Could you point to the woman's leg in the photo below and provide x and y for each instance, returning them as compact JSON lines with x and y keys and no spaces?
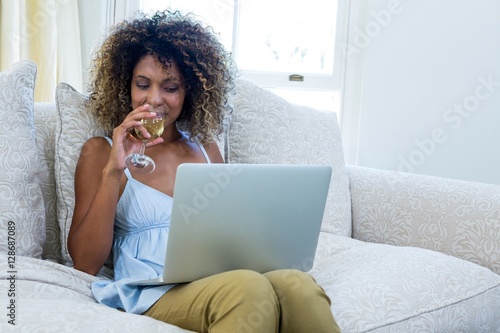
{"x":305,"y":307}
{"x":238,"y":301}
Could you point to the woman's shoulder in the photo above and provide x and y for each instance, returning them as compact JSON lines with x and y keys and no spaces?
{"x":98,"y":139}
{"x":95,"y":146}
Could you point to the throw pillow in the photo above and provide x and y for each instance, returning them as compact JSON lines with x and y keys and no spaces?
{"x":22,"y":213}
{"x":45,"y":125}
{"x":267,"y":129}
{"x":75,"y":125}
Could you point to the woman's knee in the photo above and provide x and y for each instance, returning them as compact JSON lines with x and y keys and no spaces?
{"x":247,"y":285}
{"x":304,"y":305}
{"x":288,"y":279}
{"x":294,"y":282}
{"x":252,"y":298}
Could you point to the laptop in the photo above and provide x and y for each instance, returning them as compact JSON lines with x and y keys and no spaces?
{"x":259,"y":217}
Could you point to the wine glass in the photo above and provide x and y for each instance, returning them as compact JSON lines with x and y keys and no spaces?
{"x":139,"y":162}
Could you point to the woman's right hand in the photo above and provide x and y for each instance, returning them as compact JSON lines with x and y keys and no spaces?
{"x":124,"y":143}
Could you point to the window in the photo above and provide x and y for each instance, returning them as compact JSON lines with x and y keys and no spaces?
{"x":283,"y":45}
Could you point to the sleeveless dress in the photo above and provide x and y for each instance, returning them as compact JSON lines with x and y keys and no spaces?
{"x":141,"y":228}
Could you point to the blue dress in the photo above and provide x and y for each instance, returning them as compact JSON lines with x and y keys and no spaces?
{"x":141,"y":228}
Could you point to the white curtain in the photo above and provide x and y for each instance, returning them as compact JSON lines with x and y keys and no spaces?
{"x":47,"y":32}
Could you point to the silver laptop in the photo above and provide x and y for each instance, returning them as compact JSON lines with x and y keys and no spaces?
{"x":243,"y":216}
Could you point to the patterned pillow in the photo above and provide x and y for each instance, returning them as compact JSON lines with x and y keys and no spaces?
{"x":45,"y":125}
{"x":74,"y":127}
{"x":267,"y":129}
{"x":22,"y":213}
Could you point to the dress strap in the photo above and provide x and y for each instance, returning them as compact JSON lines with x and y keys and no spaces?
{"x":128,"y":174}
{"x":204,"y":152}
{"x":110,"y":141}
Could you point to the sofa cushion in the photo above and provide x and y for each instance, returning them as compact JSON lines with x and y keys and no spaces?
{"x":451,"y":216}
{"x":21,"y":204}
{"x":265,"y":128}
{"x":385,"y":288}
{"x":74,"y":127}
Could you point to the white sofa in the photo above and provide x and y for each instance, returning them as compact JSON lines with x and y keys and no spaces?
{"x":397,"y":252}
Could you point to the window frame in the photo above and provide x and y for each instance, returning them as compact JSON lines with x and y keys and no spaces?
{"x":318,"y":82}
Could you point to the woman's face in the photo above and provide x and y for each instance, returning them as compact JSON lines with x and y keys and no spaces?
{"x":163,"y":90}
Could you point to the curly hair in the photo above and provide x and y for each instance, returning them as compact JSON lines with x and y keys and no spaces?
{"x":206,"y":66}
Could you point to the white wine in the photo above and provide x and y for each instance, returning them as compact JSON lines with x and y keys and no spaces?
{"x":139,"y":162}
{"x":154,"y":126}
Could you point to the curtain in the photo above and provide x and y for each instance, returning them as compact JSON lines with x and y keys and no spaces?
{"x":48,"y":33}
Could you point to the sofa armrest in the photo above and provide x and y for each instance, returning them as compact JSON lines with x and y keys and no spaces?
{"x":455,"y":217}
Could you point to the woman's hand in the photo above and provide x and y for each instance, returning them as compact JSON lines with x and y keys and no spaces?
{"x":124,"y":143}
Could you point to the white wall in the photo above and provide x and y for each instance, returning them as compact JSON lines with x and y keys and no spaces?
{"x":423,"y":87}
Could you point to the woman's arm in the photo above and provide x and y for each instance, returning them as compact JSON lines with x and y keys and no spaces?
{"x":98,"y":177}
{"x":96,"y":195}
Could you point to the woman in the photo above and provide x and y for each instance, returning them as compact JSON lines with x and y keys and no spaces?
{"x":169,"y":63}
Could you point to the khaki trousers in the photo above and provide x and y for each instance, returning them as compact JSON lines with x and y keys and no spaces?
{"x":244,"y":301}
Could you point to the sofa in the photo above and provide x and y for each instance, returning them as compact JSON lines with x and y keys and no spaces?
{"x":397,"y":252}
